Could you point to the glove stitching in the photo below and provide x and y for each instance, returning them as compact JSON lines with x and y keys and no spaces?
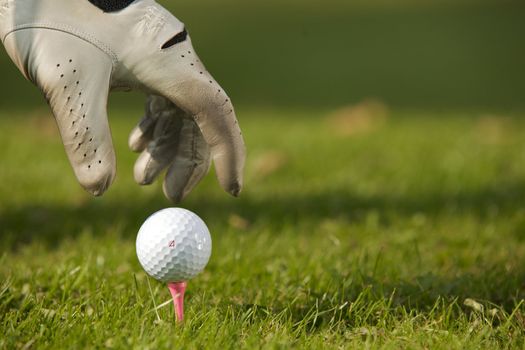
{"x":68,"y":30}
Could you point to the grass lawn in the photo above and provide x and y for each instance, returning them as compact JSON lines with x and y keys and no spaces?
{"x":359,"y":227}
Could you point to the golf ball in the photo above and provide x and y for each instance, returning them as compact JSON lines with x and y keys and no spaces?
{"x":173,"y":245}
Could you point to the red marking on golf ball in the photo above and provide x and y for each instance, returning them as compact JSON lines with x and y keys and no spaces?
{"x":172,"y":244}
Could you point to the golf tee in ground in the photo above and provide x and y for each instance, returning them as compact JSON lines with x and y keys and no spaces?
{"x":177,"y":290}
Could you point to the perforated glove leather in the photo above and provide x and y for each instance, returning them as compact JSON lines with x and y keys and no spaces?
{"x":76,"y":54}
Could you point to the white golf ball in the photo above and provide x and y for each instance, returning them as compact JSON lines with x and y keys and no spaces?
{"x":173,"y":245}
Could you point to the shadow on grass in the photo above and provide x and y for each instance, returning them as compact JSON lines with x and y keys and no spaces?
{"x":50,"y":224}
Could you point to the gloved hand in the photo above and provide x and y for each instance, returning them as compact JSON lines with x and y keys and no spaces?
{"x":76,"y":53}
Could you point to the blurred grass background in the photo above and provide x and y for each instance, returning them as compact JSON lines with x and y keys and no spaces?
{"x":383,"y":205}
{"x":323,"y":54}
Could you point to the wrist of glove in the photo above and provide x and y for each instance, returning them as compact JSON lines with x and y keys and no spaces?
{"x":76,"y":54}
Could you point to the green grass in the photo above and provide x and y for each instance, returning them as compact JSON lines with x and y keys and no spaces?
{"x":408,"y":234}
{"x":354,"y":230}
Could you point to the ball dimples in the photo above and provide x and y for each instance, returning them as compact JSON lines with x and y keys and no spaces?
{"x":173,"y":245}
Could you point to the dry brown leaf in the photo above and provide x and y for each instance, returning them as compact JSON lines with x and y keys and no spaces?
{"x":492,"y":129}
{"x":238,"y":222}
{"x":268,"y":163}
{"x":364,"y":117}
{"x":473,"y":304}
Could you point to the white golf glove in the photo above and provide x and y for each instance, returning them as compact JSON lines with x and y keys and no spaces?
{"x":76,"y":53}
